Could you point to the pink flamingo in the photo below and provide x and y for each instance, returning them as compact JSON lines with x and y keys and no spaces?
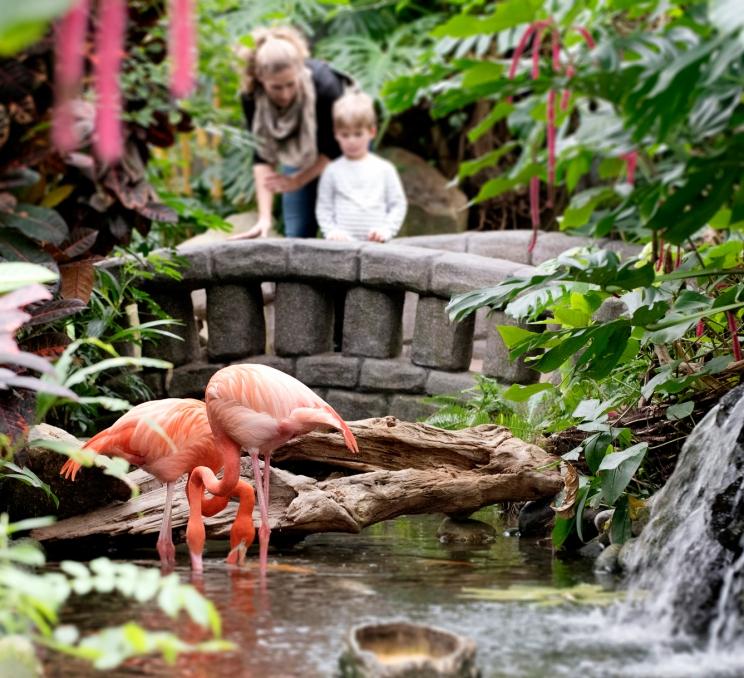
{"x":168,"y":438}
{"x":257,"y":408}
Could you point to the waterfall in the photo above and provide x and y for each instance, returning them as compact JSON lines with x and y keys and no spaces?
{"x":687,"y":567}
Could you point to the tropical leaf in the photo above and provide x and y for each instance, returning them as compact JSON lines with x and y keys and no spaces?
{"x":38,"y":223}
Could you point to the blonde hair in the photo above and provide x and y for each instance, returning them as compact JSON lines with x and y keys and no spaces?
{"x":354,"y":110}
{"x":275,"y":49}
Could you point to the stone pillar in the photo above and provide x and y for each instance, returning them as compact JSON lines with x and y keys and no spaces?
{"x":496,"y":362}
{"x":373,"y":324}
{"x":178,"y":306}
{"x":235,"y":322}
{"x":437,"y":342}
{"x":304,"y":319}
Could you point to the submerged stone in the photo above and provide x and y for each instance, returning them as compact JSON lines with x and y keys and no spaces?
{"x":403,"y":649}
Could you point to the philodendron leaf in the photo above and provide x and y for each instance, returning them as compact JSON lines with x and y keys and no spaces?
{"x":617,"y":469}
{"x":680,"y":410}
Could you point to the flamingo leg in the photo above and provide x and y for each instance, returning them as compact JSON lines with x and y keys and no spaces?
{"x":166,"y":549}
{"x":264,"y":530}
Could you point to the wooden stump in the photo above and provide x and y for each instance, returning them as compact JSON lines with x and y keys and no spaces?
{"x":402,"y":468}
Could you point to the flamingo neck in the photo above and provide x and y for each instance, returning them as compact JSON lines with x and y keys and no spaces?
{"x":230,"y":451}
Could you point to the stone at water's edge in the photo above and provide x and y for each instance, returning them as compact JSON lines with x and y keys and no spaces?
{"x":402,"y":649}
{"x":91,"y":490}
{"x":689,"y":558}
{"x":465,"y":531}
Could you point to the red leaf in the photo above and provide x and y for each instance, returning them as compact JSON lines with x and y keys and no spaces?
{"x":54,"y":310}
{"x":76,"y":280}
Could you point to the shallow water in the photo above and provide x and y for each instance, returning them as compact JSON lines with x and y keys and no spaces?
{"x":318,"y":589}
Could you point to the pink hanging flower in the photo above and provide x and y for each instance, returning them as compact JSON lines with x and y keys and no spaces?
{"x":631,"y":161}
{"x":110,"y":36}
{"x":68,"y":72}
{"x":182,"y":46}
{"x":734,"y":329}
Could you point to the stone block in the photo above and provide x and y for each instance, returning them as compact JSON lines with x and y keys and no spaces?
{"x":198,"y":269}
{"x":373,"y":322}
{"x":303,"y":323}
{"x":610,"y":309}
{"x":352,"y":406}
{"x":392,"y":375}
{"x":497,"y":364}
{"x":437,"y":342}
{"x":550,"y":245}
{"x":397,"y":266}
{"x":453,"y":273}
{"x":235,"y":321}
{"x":189,"y":381}
{"x":449,"y":382}
{"x":508,"y":245}
{"x":410,"y":408}
{"x":451,"y":242}
{"x":155,"y":381}
{"x":329,"y":369}
{"x":178,"y":306}
{"x":324,"y":259}
{"x":237,"y":260}
{"x":286,"y":365}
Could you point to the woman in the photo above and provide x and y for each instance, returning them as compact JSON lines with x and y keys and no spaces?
{"x":287,"y":103}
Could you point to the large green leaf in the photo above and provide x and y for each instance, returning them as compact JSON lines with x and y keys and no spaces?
{"x":22,"y":23}
{"x":617,"y":470}
{"x":726,"y":15}
{"x":507,"y":14}
{"x":16,"y":274}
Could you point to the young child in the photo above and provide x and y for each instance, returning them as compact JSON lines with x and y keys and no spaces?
{"x":360,"y":196}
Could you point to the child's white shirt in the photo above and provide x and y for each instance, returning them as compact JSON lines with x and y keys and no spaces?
{"x":359,"y":196}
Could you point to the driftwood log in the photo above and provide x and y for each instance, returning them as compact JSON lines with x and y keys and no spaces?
{"x":402,"y":468}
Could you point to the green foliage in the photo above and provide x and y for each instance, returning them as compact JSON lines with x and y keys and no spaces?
{"x":484,"y":403}
{"x":23,"y":23}
{"x":31,"y":602}
{"x":661,"y":309}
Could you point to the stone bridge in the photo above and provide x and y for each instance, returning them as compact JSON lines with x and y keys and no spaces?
{"x":362,"y":324}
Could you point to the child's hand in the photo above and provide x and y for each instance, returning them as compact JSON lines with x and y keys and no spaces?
{"x":337,"y":235}
{"x":376,"y":235}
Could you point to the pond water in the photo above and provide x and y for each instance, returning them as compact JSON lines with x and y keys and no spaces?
{"x":318,"y":589}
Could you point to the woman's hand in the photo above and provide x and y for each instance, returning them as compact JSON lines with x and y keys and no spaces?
{"x":259,"y":230}
{"x":281,"y":183}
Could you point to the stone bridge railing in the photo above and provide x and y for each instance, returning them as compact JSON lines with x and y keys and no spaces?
{"x":363,"y":324}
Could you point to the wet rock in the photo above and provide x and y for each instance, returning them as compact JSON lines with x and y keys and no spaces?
{"x":602,"y":520}
{"x":92,"y":489}
{"x":465,"y":531}
{"x":607,"y":560}
{"x":403,"y":649}
{"x":688,"y":556}
{"x":536,"y":518}
{"x":592,"y":549}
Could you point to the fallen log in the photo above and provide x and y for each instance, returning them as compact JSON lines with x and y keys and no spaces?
{"x":402,"y":468}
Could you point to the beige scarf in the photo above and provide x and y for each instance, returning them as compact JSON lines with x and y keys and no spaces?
{"x":287,"y":136}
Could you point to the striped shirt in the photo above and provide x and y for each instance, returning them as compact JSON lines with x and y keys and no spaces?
{"x":358,"y":196}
